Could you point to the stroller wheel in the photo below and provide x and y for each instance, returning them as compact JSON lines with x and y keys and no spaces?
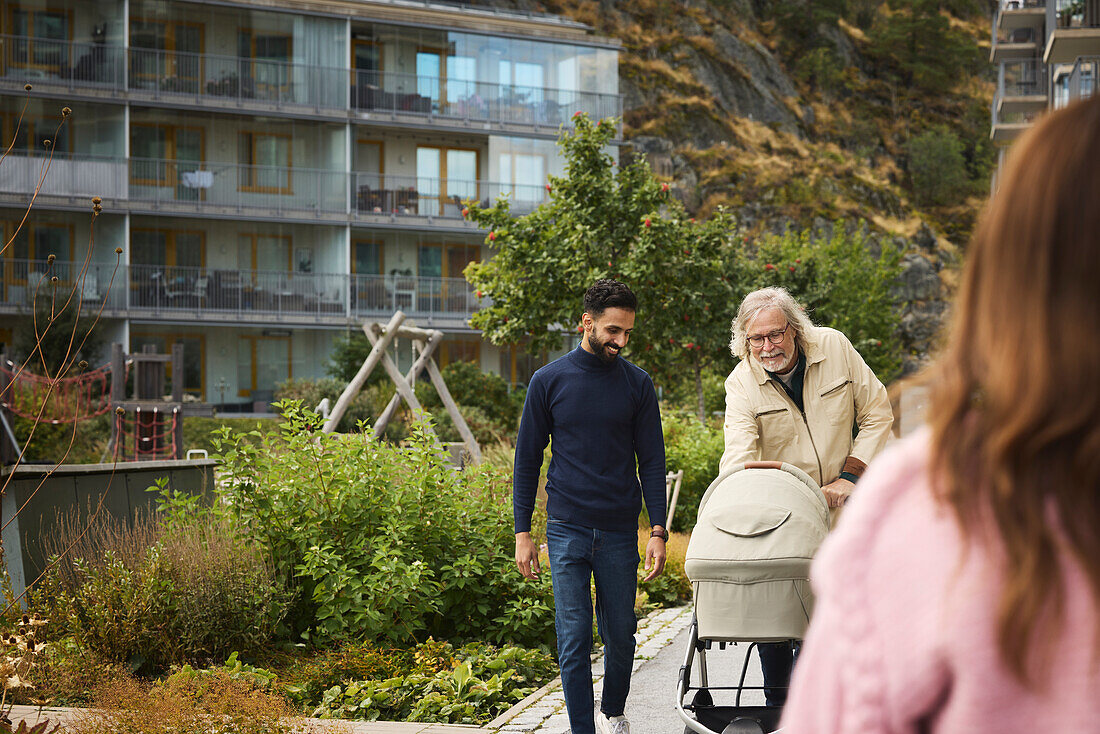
{"x":743,"y":726}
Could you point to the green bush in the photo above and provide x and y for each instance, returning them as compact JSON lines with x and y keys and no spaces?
{"x":470,"y":685}
{"x":470,"y":387}
{"x":199,"y":592}
{"x":696,"y":448}
{"x":364,"y":407}
{"x":397,"y":546}
{"x":937,"y":167}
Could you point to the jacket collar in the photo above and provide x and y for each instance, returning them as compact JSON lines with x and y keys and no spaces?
{"x":813,"y":356}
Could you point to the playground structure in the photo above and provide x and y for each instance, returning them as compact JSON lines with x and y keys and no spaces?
{"x":144,"y":425}
{"x":425,"y":342}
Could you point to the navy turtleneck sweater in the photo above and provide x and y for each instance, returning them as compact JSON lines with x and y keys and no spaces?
{"x":601,"y":417}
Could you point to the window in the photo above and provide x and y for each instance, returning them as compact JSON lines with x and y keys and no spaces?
{"x":367,"y":258}
{"x":29,"y":251}
{"x":194,"y":357}
{"x":266,"y":58}
{"x":265,"y":163}
{"x":30,"y":134}
{"x":367,"y":62}
{"x":522,"y":81}
{"x":445,"y":178}
{"x":459,"y":350}
{"x":166,"y":54}
{"x":42,"y":38}
{"x":523,"y":175}
{"x":429,"y":74}
{"x":262,"y":363}
{"x":270,"y":252}
{"x":160,"y":154}
{"x":168,"y":248}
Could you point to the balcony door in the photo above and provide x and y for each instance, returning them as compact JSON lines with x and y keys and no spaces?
{"x":366,"y":62}
{"x":42,"y":39}
{"x":262,"y":363}
{"x":265,"y":63}
{"x":266,"y":163}
{"x":166,"y":55}
{"x":369,"y":192}
{"x":440,"y":286}
{"x":26,"y":259}
{"x":168,"y":156}
{"x":371,"y":291}
{"x":523,"y":177}
{"x":166,"y":267}
{"x":445,"y":178}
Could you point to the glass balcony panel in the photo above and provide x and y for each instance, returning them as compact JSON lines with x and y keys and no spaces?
{"x":44,"y":60}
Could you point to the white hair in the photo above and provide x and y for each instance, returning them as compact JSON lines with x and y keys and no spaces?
{"x":757,"y":301}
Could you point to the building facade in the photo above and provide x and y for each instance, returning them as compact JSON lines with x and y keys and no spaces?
{"x":1047,"y":54}
{"x":277,"y":171}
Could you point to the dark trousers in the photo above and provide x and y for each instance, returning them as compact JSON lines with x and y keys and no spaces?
{"x":776,"y":662}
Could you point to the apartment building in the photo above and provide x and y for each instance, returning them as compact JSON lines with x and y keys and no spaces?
{"x":277,"y":171}
{"x":1047,"y":54}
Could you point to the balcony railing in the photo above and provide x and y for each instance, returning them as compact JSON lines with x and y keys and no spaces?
{"x":1022,"y":78}
{"x":159,"y":183}
{"x":229,"y":295}
{"x":1073,"y":14}
{"x":413,"y":94}
{"x":436,"y":197}
{"x":33,"y":60}
{"x":160,"y":74}
{"x":1083,"y":79}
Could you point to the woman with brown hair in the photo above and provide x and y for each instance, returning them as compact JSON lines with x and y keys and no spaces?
{"x":961,"y":590}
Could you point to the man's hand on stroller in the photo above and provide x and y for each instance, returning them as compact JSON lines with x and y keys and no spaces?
{"x":527,"y":556}
{"x":655,"y":557}
{"x":837,"y":491}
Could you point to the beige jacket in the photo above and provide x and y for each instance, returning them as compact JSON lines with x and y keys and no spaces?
{"x":839,"y":392}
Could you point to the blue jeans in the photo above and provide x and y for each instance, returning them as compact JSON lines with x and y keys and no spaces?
{"x":577,"y":554}
{"x":776,"y":662}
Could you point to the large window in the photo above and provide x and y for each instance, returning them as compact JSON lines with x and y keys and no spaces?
{"x":166,"y":54}
{"x":168,"y":248}
{"x":446,"y":177}
{"x":266,"y":57}
{"x":160,"y":153}
{"x":265,"y":160}
{"x":28,"y":253}
{"x":30,"y":134}
{"x":194,"y":353}
{"x":262,"y":363}
{"x":43,"y":38}
{"x":268,"y":252}
{"x":522,"y":175}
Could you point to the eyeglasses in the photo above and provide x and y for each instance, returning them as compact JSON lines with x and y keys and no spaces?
{"x":774,"y":337}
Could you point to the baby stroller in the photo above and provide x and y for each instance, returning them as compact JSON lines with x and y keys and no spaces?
{"x":758,"y":528}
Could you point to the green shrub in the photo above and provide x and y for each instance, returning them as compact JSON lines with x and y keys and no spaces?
{"x":672,"y":587}
{"x":696,"y":448}
{"x":308,"y":679}
{"x":397,"y":546}
{"x":364,"y":407}
{"x":198,"y":592}
{"x":470,"y":387}
{"x":470,"y":685}
{"x":937,"y":167}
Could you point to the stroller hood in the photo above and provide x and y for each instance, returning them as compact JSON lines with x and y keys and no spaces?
{"x":758,"y":528}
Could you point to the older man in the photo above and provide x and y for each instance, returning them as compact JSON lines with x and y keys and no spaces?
{"x":803,"y":395}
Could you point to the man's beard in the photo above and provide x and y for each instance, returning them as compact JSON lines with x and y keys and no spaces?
{"x":601,"y":349}
{"x":776,"y":366}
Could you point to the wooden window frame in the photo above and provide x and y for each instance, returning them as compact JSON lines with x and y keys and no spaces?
{"x":255,"y":236}
{"x":169,"y":340}
{"x":171,"y":67}
{"x":444,"y":196}
{"x":254,"y":188}
{"x":252,"y":59}
{"x":381,"y":255}
{"x":170,"y":248}
{"x":242,"y":391}
{"x":170,"y":176}
{"x":8,"y":121}
{"x":28,"y":230}
{"x":30,"y":64}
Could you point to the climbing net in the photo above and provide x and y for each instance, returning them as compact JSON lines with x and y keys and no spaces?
{"x":149,"y":434}
{"x":67,"y":400}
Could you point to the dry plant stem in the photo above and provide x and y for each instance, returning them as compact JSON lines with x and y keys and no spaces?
{"x":37,"y":188}
{"x":18,"y":124}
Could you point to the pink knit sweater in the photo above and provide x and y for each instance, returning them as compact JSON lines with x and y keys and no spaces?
{"x":903,"y":637}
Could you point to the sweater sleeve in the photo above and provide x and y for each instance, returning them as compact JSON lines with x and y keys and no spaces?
{"x":534,"y":434}
{"x":649,"y":448}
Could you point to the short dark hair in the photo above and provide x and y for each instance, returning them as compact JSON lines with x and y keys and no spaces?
{"x":607,"y":293}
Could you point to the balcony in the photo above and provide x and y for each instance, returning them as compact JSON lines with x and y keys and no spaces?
{"x":1021,"y":87}
{"x":1015,"y":44}
{"x":381,"y":196}
{"x":152,"y":185}
{"x":1012,"y":15}
{"x":230,"y":296}
{"x":1083,"y":78}
{"x":418,"y":98}
{"x":263,"y":87}
{"x":1007,"y":126}
{"x":1073,"y":30}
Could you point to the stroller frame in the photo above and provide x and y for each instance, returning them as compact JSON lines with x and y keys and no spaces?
{"x":728,"y":719}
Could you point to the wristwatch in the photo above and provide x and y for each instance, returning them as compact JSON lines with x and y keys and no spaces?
{"x":662,"y":534}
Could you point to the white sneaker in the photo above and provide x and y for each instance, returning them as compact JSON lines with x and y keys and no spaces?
{"x":612,"y":724}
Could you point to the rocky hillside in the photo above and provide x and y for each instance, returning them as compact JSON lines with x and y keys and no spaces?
{"x":806,"y":112}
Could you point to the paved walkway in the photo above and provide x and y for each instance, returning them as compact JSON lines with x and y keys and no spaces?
{"x":544,"y":710}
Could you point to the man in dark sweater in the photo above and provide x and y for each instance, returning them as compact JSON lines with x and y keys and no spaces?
{"x":602,"y":413}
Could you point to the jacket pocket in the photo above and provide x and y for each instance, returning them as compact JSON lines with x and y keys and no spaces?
{"x":836,"y":401}
{"x":776,"y":427}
